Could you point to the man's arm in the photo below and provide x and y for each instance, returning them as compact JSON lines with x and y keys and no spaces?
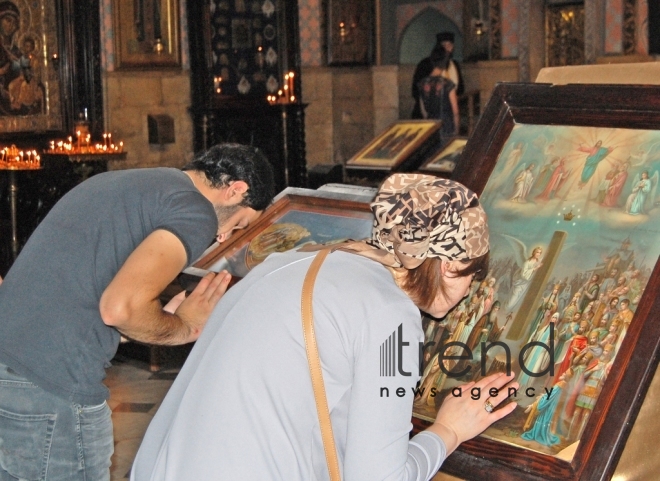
{"x":130,"y":302}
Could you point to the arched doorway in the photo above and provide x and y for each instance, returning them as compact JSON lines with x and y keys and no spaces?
{"x":418,"y":38}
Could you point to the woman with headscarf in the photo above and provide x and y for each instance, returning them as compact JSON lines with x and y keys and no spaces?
{"x":243,"y":406}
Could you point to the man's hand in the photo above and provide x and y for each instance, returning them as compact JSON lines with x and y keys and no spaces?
{"x":175,"y":302}
{"x":130,"y":302}
{"x":195,"y":309}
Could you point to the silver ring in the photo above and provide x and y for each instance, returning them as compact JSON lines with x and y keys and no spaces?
{"x":488,"y":406}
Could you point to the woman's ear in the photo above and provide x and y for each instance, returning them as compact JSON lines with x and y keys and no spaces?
{"x":448,"y":268}
{"x":444,"y":266}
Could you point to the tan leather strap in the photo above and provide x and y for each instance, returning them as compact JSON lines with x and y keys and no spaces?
{"x":315,"y":367}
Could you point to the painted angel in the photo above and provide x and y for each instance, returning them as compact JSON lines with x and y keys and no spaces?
{"x":527,"y":264}
{"x":644,"y":155}
{"x":641,"y":198}
{"x":522,"y":184}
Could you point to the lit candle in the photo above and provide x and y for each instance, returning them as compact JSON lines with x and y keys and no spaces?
{"x":121,"y":146}
{"x":52,"y":145}
{"x":291,"y":92}
{"x":109,"y":138}
{"x":105,"y":138}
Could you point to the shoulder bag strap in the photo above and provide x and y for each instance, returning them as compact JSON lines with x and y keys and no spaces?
{"x":315,"y":367}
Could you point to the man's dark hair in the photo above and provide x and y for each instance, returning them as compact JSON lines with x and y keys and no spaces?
{"x":226,"y":163}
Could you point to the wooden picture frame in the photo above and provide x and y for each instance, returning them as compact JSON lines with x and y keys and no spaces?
{"x":32,"y":98}
{"x":292,"y":221}
{"x":392,"y":147}
{"x":444,"y":161}
{"x":350,"y":32}
{"x":518,"y":126}
{"x":147,"y":34}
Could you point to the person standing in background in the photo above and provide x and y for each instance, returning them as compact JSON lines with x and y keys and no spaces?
{"x":445,"y":41}
{"x":437,"y":95}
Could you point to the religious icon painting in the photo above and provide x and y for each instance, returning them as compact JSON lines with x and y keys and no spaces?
{"x":269,"y":32}
{"x":272,"y":84}
{"x":293,"y":221}
{"x":271,"y":56}
{"x":244,"y":85}
{"x":241,"y":37}
{"x":246,"y":41}
{"x":395,"y":144}
{"x":30,"y":99}
{"x":268,"y":8}
{"x":146,"y":34}
{"x":444,"y":160}
{"x":349,"y":32}
{"x":573,"y":204}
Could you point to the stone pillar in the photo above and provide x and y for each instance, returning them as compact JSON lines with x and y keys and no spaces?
{"x":531,"y":31}
{"x":317,"y":93}
{"x":385,"y":80}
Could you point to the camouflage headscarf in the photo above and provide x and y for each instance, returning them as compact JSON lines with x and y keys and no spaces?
{"x":420,"y":216}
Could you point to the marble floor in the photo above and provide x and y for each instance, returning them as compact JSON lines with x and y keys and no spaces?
{"x":135,"y":395}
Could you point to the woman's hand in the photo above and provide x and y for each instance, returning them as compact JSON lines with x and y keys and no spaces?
{"x":462,"y":418}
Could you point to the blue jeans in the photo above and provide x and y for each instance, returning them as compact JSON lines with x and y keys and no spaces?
{"x":43,"y":437}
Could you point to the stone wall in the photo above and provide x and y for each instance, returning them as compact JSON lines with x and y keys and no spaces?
{"x":340,"y":112}
{"x":352,"y":111}
{"x":348,"y":107}
{"x":317,"y":94}
{"x":130,"y":97}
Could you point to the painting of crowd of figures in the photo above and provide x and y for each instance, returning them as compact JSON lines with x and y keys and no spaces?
{"x":575,"y":233}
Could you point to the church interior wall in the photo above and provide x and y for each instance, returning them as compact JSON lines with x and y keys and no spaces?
{"x":131,"y":95}
{"x":347,"y":106}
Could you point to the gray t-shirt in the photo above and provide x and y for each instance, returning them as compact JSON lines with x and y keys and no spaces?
{"x":51,"y":330}
{"x":243,"y":406}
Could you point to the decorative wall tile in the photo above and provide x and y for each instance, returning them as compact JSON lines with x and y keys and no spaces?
{"x":309,"y":18}
{"x":613,"y":26}
{"x":509,"y":18}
